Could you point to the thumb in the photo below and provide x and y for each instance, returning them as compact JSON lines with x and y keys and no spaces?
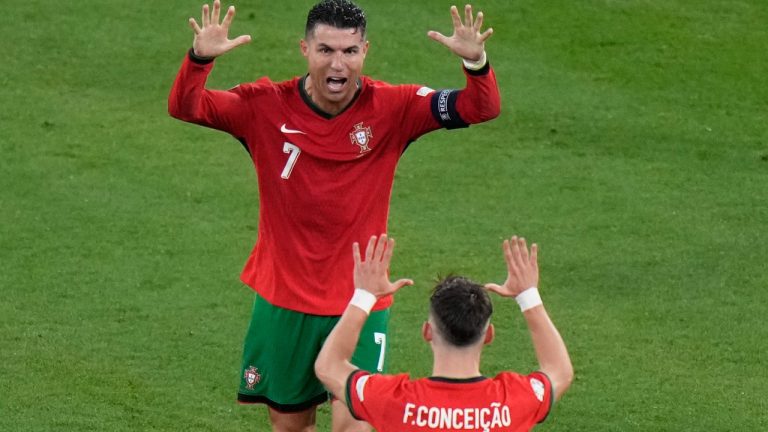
{"x":240,"y":40}
{"x":493,"y":288}
{"x":401,"y":283}
{"x":437,"y":36}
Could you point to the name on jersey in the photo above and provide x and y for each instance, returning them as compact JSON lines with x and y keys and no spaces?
{"x":442,"y":418}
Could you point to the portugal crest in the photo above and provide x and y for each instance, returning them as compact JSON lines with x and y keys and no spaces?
{"x":252,"y":377}
{"x":361,"y":137}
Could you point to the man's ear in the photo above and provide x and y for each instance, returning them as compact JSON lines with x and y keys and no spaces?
{"x":426,"y":331}
{"x":489,"y":334}
{"x":304,"y":46}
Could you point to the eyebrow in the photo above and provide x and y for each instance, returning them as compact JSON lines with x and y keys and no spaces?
{"x":349,"y":48}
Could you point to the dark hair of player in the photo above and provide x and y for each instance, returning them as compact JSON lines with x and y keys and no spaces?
{"x":460,"y":310}
{"x":341,"y":14}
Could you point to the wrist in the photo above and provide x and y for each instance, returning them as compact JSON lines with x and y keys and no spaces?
{"x":363,"y":299}
{"x":199,"y":59}
{"x":475,"y":65}
{"x":528,"y":299}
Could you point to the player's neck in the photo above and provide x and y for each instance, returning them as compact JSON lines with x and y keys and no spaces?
{"x":330,"y":107}
{"x":455,"y":363}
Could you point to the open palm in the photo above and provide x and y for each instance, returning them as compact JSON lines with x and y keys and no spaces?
{"x":212,"y":39}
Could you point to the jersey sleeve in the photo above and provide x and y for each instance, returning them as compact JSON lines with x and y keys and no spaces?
{"x":531,"y":394}
{"x":355,"y":393}
{"x":540,"y":387}
{"x":369,"y":395}
{"x":478,"y":102}
{"x":190,"y":101}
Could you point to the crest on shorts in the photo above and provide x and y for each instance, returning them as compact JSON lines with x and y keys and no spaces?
{"x":361,"y":137}
{"x":251,"y":377}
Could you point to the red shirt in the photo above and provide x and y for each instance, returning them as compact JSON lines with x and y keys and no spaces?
{"x":324,"y":182}
{"x":508,"y":402}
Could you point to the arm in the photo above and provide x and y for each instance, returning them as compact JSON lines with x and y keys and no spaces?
{"x":333,"y":365}
{"x":189,"y":100}
{"x":522,"y":279}
{"x":480,"y":101}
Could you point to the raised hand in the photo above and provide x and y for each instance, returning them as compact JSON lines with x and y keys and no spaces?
{"x":372,"y":273}
{"x":522,"y":268}
{"x":212,"y":39}
{"x":466,"y":42}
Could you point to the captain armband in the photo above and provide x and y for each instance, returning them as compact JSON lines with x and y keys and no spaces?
{"x":444,"y":109}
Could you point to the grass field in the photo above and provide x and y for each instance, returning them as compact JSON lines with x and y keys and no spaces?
{"x":633,"y":147}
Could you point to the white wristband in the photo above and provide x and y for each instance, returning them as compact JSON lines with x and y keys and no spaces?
{"x":528,"y":299}
{"x":363,"y":300}
{"x":476,"y":65}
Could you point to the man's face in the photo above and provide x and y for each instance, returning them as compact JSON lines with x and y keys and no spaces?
{"x":335,"y":60}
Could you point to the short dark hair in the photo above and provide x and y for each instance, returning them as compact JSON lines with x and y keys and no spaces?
{"x":461,"y":310}
{"x":340,"y":14}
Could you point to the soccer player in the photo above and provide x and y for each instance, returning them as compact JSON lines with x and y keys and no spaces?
{"x":325,"y":146}
{"x":456,"y":396}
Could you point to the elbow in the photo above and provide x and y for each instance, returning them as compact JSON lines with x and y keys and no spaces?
{"x":175,"y":111}
{"x":493,"y":113}
{"x":562,"y":380}
{"x":321,"y":369}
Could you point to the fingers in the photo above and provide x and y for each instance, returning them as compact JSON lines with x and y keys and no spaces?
{"x":485,"y":35}
{"x":369,"y":250}
{"x":387,"y":257}
{"x":523,"y":247}
{"x":356,"y":253}
{"x":468,"y":20}
{"x":206,"y":16}
{"x":455,"y":17}
{"x":216,"y":11}
{"x":381,"y":247}
{"x":478,"y":24}
{"x":228,"y":17}
{"x":514,"y":256}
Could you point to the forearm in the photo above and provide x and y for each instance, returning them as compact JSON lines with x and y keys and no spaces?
{"x":480,"y":100}
{"x":186,"y":97}
{"x":333,"y":364}
{"x":550,"y":349}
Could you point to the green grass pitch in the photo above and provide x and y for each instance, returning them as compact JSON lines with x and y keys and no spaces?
{"x":633,"y":147}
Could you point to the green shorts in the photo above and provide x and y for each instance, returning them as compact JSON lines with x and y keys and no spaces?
{"x":280,"y":351}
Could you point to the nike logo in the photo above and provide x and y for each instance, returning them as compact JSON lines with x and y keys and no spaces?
{"x":285,"y":130}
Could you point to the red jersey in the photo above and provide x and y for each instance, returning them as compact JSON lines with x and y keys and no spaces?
{"x":508,"y":402}
{"x":324,"y":181}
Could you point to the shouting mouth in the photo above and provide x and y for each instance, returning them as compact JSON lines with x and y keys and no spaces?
{"x":336,"y":84}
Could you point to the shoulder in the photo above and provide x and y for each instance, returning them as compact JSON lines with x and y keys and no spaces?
{"x":364,"y":383}
{"x":536,"y":384}
{"x":265,"y":85}
{"x":382,"y":88}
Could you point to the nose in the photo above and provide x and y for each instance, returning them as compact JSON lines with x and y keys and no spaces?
{"x":337,"y":62}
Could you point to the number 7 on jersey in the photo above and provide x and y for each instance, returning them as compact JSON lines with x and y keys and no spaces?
{"x":293,"y":154}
